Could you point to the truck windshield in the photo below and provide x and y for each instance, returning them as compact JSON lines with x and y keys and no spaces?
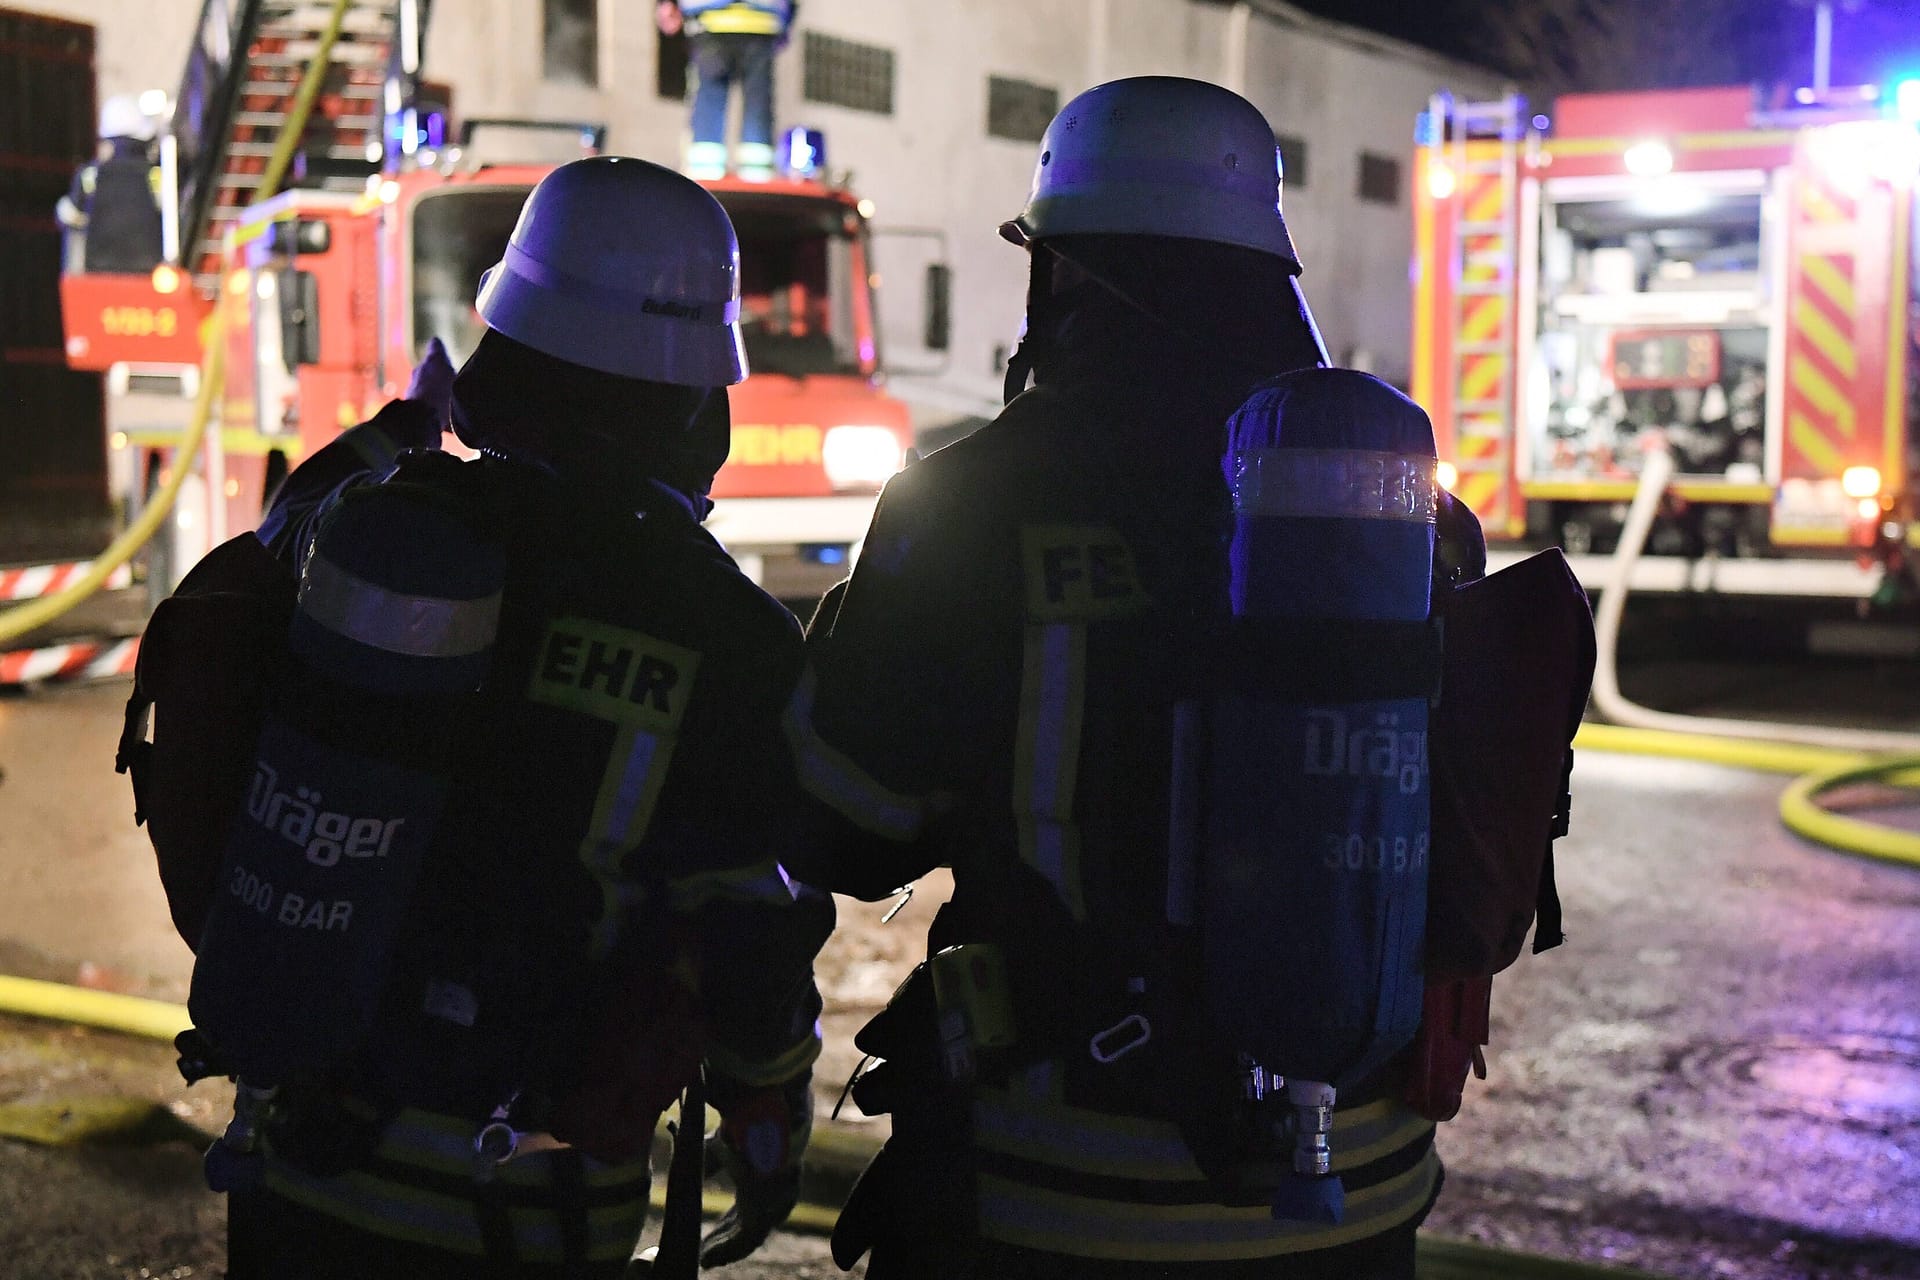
{"x":797,"y":266}
{"x":457,"y":234}
{"x":797,"y":284}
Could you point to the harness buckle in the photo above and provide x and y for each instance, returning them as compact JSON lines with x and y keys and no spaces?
{"x":494,"y":1145}
{"x":1120,"y":1039}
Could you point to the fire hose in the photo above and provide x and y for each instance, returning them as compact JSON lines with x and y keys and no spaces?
{"x":1827,"y":758}
{"x":21,"y":619}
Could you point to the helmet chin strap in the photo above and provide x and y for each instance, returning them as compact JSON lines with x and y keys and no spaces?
{"x":1032,"y":347}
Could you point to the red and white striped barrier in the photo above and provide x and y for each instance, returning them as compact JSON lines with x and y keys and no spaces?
{"x":75,"y":660}
{"x":33,"y":581}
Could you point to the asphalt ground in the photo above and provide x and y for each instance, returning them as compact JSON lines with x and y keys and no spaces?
{"x":1719,"y":1076}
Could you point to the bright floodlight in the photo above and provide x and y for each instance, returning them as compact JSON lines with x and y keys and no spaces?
{"x":1860,"y":482}
{"x":1440,"y":180}
{"x":1906,"y":100}
{"x":861,"y":457}
{"x":1649,"y":159}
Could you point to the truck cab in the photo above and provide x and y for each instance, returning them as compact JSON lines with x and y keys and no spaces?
{"x":331,"y":298}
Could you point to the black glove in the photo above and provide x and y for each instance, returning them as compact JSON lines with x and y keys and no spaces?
{"x":763,"y":1133}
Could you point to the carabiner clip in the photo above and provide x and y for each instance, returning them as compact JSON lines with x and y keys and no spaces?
{"x":1120,"y":1039}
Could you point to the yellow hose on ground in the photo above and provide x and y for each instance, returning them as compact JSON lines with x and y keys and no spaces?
{"x":1829,"y":757}
{"x":134,"y":1015}
{"x":21,"y":619}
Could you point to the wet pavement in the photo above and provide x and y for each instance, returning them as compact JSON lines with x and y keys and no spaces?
{"x":1718,"y":1076}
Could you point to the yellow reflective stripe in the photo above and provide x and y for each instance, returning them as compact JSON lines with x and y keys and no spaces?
{"x":629,"y":790}
{"x":382,"y":1207}
{"x":1053,"y":693}
{"x":622,"y":811}
{"x":778,"y":1070}
{"x":833,"y":778}
{"x":443,"y":1144}
{"x":1081,"y":1226}
{"x":1057,"y":1136}
{"x":416,"y":626}
{"x":1035,"y":1127}
{"x":738,"y":20}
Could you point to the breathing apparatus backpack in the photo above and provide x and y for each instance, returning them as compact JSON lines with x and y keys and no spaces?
{"x":207,"y":658}
{"x":1314,"y":844}
{"x":392,"y":633}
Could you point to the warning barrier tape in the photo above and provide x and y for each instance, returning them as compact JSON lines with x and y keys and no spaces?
{"x":73,"y":660}
{"x":30,"y":582}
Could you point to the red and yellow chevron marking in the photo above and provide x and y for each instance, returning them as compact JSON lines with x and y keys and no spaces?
{"x":1474,"y":447}
{"x":1823,"y":356}
{"x":1480,"y":456}
{"x":1483,"y":259}
{"x":1483,"y":492}
{"x":1481,"y":319}
{"x":1480,"y":375}
{"x":1480,"y":198}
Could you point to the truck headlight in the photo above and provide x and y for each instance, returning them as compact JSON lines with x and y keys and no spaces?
{"x":860,"y":457}
{"x":1860,"y":482}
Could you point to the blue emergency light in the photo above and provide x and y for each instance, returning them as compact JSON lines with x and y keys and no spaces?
{"x":804,"y":151}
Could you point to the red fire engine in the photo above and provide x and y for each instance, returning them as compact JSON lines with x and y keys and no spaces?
{"x":1687,"y":270}
{"x":331,"y":290}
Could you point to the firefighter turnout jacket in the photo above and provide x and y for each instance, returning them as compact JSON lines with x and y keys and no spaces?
{"x":737,"y":17}
{"x":994,"y":690}
{"x":629,"y":762}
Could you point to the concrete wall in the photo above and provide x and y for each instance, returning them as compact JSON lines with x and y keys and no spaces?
{"x":932,"y":165}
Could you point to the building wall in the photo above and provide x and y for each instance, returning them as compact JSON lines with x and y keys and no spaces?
{"x":931,"y":165}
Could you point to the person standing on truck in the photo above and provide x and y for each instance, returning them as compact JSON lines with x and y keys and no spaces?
{"x":995,"y":690}
{"x":112,"y":212}
{"x":733,"y":42}
{"x":598,"y":912}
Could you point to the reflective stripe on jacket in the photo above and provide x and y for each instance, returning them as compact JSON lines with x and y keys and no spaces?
{"x":419,"y":1187}
{"x":737,"y":17}
{"x":1074,"y":1181}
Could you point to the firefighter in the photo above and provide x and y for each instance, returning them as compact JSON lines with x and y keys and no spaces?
{"x":604,"y":853}
{"x":995,"y":690}
{"x":111,"y":213}
{"x":733,"y":42}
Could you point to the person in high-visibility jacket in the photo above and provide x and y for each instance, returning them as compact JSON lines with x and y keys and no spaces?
{"x":111,"y":212}
{"x":996,"y":690}
{"x":614,"y":805}
{"x":732,"y":42}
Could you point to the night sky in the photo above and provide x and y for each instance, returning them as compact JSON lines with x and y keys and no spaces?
{"x":1758,"y":41}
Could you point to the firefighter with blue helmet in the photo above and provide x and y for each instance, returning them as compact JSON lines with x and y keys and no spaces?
{"x":732,"y":42}
{"x":1031,"y":678}
{"x":539,"y":892}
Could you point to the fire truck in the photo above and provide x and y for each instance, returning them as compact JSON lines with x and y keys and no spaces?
{"x":330,"y":291}
{"x":1698,"y":271}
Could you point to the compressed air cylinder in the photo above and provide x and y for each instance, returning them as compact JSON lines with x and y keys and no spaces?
{"x":1315,"y":834}
{"x":398,"y":610}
